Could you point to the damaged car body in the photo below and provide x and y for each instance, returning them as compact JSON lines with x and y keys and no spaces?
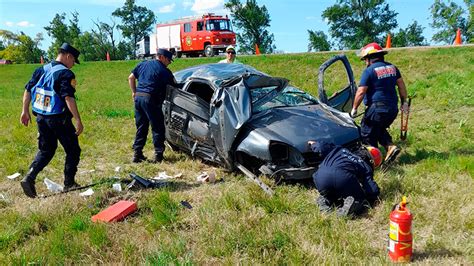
{"x":233,"y":114}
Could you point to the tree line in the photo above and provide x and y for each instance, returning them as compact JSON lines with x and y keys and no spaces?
{"x":352,"y":23}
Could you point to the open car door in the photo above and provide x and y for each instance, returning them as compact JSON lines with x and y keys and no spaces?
{"x":330,"y":82}
{"x":231,"y":108}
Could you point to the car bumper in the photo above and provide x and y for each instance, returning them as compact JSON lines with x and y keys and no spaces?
{"x":288,"y":173}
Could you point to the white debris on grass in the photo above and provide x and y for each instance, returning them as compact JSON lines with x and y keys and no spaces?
{"x":87,"y":172}
{"x":87,"y":193}
{"x":117,"y":187}
{"x":207,"y":177}
{"x":52,"y":186}
{"x":164,"y":176}
{"x":117,"y":169}
{"x":2,"y":197}
{"x":15,"y":175}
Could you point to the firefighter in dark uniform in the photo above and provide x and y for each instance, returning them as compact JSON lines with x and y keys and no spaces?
{"x":153,"y":77}
{"x":377,"y":89}
{"x":345,"y":179}
{"x":51,"y":93}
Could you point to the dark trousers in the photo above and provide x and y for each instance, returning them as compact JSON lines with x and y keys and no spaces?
{"x":377,"y":119}
{"x":52,"y":129}
{"x":148,"y":111}
{"x":337,"y":185}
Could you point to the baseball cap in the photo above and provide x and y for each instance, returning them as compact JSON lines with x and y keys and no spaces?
{"x":66,"y":47}
{"x":166,"y":53}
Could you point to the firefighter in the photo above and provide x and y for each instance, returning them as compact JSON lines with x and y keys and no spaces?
{"x":345,"y":179}
{"x":52,"y":89}
{"x":153,"y":77}
{"x":230,"y":56}
{"x":377,"y":89}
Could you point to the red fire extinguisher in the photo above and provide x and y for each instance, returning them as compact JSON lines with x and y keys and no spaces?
{"x":400,"y":239}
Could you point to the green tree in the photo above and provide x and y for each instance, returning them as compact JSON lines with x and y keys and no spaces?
{"x":358,"y":22}
{"x":253,"y":21}
{"x":21,"y":48}
{"x":318,"y":41}
{"x":410,"y":36}
{"x":137,"y":21}
{"x":61,"y":32}
{"x":447,"y":17}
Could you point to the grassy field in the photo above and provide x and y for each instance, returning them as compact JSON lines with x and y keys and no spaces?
{"x":233,"y":221}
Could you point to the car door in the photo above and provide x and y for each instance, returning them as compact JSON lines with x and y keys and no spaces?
{"x":331,"y":82}
{"x":187,"y":123}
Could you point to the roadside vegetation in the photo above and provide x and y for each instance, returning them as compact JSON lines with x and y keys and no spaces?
{"x":233,"y":221}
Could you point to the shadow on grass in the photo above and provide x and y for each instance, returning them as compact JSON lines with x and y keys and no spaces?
{"x":420,"y":155}
{"x":438,"y":253}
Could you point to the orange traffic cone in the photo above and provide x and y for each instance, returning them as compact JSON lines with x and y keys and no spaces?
{"x":41,"y":60}
{"x":108,"y":56}
{"x":257,"y":51}
{"x":458,"y":40}
{"x":388,"y":44}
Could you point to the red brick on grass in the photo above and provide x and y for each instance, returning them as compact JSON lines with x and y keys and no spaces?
{"x":116,"y":212}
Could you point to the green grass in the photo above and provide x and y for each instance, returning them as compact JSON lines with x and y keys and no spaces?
{"x":234,"y":222}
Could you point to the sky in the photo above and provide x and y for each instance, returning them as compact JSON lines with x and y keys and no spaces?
{"x":290,"y":20}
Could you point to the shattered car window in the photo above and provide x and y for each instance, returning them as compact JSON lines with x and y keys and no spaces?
{"x":290,"y":96}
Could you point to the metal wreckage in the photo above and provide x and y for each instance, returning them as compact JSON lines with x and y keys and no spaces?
{"x":241,"y":118}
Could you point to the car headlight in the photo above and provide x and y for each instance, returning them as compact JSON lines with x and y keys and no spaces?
{"x":279,"y":151}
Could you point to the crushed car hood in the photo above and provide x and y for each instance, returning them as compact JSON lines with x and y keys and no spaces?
{"x":297,"y":125}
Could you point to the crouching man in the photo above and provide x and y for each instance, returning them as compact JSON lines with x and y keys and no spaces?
{"x":345,"y":180}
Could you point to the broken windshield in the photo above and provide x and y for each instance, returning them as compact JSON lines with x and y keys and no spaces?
{"x":290,"y":96}
{"x":218,"y":24}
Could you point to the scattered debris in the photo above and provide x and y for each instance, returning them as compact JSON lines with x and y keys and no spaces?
{"x":87,"y":193}
{"x":205,"y":177}
{"x":117,"y":169}
{"x":186,"y":204}
{"x":116,"y":212}
{"x":141,"y":182}
{"x":52,"y":186}
{"x":15,"y":175}
{"x":2,"y":197}
{"x":117,"y":187}
{"x":87,"y":172}
{"x":255,"y":179}
{"x":164,"y":176}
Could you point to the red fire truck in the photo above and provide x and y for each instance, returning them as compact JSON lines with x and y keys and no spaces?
{"x":208,"y":34}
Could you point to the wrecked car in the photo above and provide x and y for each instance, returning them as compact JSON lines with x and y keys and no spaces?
{"x":235,"y":115}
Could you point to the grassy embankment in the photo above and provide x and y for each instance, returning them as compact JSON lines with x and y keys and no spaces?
{"x":234,"y":221}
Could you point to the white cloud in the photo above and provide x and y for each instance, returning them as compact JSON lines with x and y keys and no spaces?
{"x":187,"y":4}
{"x":9,"y":23}
{"x":204,"y":6}
{"x":167,"y":8}
{"x":25,"y":24}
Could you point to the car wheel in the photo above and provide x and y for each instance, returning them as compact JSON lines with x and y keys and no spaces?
{"x":208,"y":51}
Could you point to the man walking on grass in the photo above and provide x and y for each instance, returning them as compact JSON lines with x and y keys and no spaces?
{"x":153,"y":77}
{"x":377,"y":89}
{"x":51,"y":92}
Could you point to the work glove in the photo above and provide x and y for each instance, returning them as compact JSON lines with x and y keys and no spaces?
{"x":404,"y":107}
{"x":353,"y":112}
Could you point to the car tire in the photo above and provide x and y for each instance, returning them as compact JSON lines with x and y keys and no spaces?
{"x":208,"y":51}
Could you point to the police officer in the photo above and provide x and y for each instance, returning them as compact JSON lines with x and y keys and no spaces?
{"x":230,"y":56}
{"x":345,"y":179}
{"x":51,"y":92}
{"x":377,"y":88}
{"x":153,"y":77}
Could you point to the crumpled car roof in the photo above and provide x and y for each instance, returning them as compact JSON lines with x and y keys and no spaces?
{"x":216,"y":73}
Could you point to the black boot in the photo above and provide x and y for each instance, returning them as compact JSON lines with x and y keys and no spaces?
{"x":70,"y":183}
{"x":138,"y":156}
{"x":158,"y":157}
{"x":28,"y":184}
{"x":352,"y":207}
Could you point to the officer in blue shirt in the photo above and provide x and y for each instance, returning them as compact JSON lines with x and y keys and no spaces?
{"x":51,"y":94}
{"x":377,"y":89}
{"x":345,"y":179}
{"x":153,"y":77}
